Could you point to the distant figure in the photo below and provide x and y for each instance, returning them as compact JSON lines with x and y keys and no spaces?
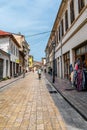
{"x":44,"y":70}
{"x":71,"y":68}
{"x":71,"y":78}
{"x":23,"y":73}
{"x":39,"y":73}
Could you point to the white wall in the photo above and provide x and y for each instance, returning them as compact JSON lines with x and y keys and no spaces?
{"x":13,"y":57}
{"x":86,"y":2}
{"x":4,"y":44}
{"x":76,"y":40}
{"x":75,"y":26}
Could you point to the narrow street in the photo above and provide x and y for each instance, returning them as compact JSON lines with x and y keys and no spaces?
{"x":33,"y":104}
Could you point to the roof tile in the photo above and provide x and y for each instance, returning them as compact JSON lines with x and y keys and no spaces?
{"x":4,"y":33}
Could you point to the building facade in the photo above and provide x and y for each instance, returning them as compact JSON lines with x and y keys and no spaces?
{"x":10,"y":45}
{"x":70,"y":37}
{"x":44,"y":64}
{"x":23,"y":52}
{"x":31,"y":60}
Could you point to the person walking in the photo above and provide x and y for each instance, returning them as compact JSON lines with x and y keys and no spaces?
{"x":39,"y":73}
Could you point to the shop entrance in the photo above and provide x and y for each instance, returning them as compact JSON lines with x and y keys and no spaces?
{"x":66,"y":65}
{"x":1,"y":68}
{"x":83,"y":58}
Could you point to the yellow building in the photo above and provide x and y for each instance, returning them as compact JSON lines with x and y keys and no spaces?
{"x":30,"y":62}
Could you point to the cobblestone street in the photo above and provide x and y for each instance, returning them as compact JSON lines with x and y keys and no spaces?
{"x":27,"y":105}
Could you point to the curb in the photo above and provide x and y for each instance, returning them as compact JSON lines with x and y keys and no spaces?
{"x":9,"y":83}
{"x":12,"y":82}
{"x":85,"y":118}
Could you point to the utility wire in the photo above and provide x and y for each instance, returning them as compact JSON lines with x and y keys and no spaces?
{"x":38,"y":34}
{"x":19,"y":34}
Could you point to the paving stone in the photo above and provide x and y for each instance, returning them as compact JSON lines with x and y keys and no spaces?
{"x":28,"y":105}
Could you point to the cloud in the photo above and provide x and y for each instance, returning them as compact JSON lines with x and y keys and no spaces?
{"x":28,"y":16}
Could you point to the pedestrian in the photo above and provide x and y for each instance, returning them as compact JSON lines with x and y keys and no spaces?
{"x":72,"y":78}
{"x":23,"y":73}
{"x":39,"y":73}
{"x":79,"y":78}
{"x":44,"y":70}
{"x":71,"y":68}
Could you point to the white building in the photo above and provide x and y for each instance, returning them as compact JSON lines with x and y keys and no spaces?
{"x":44,"y":64}
{"x":10,"y":45}
{"x":69,"y":32}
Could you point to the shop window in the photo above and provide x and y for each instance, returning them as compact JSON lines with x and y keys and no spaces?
{"x":65,"y":57}
{"x":82,"y":49}
{"x":78,"y":52}
{"x":72,"y":11}
{"x":68,"y":56}
{"x":80,"y":4}
{"x":66,"y":20}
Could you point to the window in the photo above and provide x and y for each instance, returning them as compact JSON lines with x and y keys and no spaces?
{"x":59,"y":33}
{"x":82,"y":49}
{"x":72,"y":11}
{"x":66,"y":20}
{"x":62,"y":29}
{"x":16,"y":52}
{"x":12,"y":48}
{"x":80,"y":4}
{"x":78,"y":52}
{"x":86,"y":48}
{"x":56,"y":37}
{"x":50,"y":49}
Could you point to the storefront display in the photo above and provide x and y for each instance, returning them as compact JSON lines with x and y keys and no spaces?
{"x":81,"y":53}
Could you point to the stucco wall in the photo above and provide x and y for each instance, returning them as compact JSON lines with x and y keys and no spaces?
{"x":76,"y":40}
{"x":4,"y":44}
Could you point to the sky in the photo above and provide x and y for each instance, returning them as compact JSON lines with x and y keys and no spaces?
{"x":30,"y":17}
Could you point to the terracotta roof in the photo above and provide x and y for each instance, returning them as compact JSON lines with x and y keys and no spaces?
{"x":2,"y":33}
{"x":37,"y":62}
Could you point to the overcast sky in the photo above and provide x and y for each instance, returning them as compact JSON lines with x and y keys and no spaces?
{"x":30,"y":17}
